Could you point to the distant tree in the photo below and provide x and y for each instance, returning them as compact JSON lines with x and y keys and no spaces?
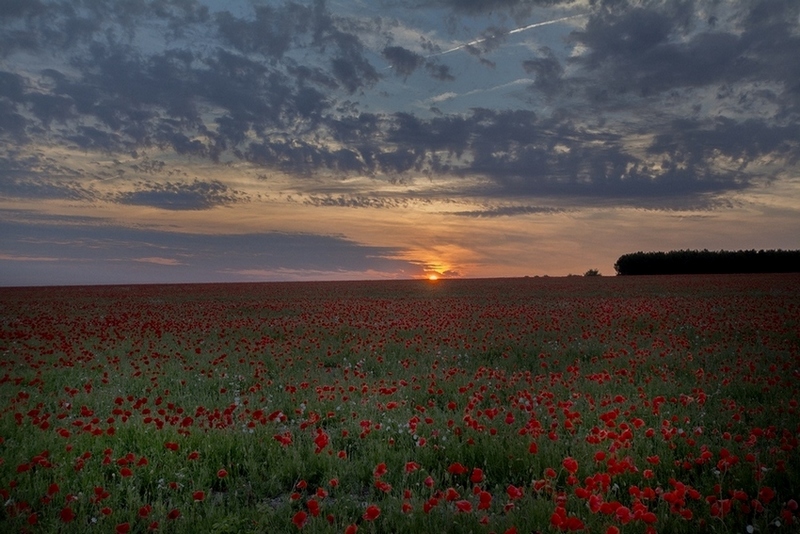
{"x":709,"y":262}
{"x":592,"y":272}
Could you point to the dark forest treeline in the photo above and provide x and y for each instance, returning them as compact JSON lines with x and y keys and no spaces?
{"x":709,"y":262}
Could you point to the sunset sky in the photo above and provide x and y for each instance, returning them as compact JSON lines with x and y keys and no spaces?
{"x":246,"y":140}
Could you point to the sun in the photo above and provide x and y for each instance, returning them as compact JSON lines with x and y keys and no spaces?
{"x":433,"y":277}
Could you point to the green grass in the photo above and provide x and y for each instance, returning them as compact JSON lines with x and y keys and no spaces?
{"x":631,"y":369}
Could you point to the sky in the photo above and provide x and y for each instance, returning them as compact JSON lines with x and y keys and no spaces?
{"x":164,"y":141}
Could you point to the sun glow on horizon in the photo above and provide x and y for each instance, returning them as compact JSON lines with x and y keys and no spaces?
{"x":433,"y":277}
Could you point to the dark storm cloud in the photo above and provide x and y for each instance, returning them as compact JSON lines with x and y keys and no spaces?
{"x":12,"y":86}
{"x":691,"y":142}
{"x":196,"y":195}
{"x":19,"y":8}
{"x":86,"y":251}
{"x":439,"y":72}
{"x":474,"y":7}
{"x":43,"y":188}
{"x":646,"y":50}
{"x":271,"y":32}
{"x":90,"y":138}
{"x":155,"y":98}
{"x":274,"y":30}
{"x":12,"y":123}
{"x":277,"y":86}
{"x":548,"y":72}
{"x":526,"y":155}
{"x":38,"y":176}
{"x":403,"y":61}
{"x":355,"y":201}
{"x":507,"y":211}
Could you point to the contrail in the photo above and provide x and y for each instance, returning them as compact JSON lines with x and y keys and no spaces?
{"x":517,"y":30}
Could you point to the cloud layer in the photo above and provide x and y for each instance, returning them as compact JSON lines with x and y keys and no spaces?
{"x":513,"y":107}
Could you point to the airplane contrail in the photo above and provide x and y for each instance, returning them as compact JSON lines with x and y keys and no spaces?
{"x":516,"y":30}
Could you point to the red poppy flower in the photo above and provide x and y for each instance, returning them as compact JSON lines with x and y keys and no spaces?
{"x":476,"y":476}
{"x":765,"y":495}
{"x":321,"y":440}
{"x":122,"y":528}
{"x":67,"y":515}
{"x":199,"y":496}
{"x":430,"y":504}
{"x":372,"y":513}
{"x":571,"y":465}
{"x":299,"y":519}
{"x":351,"y":529}
{"x":174,"y":514}
{"x":463,"y":506}
{"x":411,"y":467}
{"x":514,"y":492}
{"x":171,"y":445}
{"x":284,"y":439}
{"x":222,"y":473}
{"x":456,"y":469}
{"x":380,"y":470}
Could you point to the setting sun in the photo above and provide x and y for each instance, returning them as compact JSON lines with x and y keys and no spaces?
{"x":433,"y":277}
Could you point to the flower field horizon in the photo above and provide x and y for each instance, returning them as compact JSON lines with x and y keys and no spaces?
{"x":577,"y":404}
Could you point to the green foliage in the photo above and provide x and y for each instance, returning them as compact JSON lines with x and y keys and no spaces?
{"x":626,"y":377}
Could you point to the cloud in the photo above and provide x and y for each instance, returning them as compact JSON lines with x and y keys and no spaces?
{"x":14,"y":257}
{"x":519,"y":8}
{"x":355,"y":201}
{"x":98,"y":251}
{"x":159,"y":261}
{"x":640,"y":100}
{"x":196,"y":195}
{"x":40,"y":177}
{"x":548,"y":71}
{"x":508,"y":211}
{"x":403,"y":61}
{"x":524,"y":155}
{"x":661,"y":47}
{"x":270,"y":33}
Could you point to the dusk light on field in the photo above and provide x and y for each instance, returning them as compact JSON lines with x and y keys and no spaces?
{"x":243,"y":140}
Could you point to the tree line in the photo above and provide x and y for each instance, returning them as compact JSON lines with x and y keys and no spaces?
{"x":709,"y":262}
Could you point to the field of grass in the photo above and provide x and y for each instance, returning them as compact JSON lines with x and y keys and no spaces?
{"x":625,"y":404}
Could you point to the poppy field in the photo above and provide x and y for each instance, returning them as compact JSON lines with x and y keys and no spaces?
{"x":577,"y":404}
